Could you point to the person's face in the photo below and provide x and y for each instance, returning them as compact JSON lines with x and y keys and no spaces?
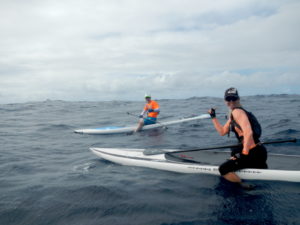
{"x":147,"y":99}
{"x":231,"y":101}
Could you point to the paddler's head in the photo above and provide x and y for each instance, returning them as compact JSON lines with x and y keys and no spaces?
{"x":232,"y":97}
{"x":147,"y":97}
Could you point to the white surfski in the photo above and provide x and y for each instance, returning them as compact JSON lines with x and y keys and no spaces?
{"x":118,"y":130}
{"x":281,"y":167}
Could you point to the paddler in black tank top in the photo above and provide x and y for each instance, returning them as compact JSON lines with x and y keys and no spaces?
{"x":251,"y":154}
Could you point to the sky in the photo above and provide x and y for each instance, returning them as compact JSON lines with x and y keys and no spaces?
{"x":98,"y":50}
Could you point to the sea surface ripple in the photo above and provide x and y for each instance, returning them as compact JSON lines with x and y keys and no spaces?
{"x":49,"y":176}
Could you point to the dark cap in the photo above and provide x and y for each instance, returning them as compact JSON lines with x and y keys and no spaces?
{"x":231,"y":94}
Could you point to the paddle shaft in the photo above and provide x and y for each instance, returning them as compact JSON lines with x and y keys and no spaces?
{"x":144,"y":118}
{"x":234,"y":146}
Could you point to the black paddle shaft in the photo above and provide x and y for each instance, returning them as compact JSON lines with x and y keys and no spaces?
{"x":146,"y":119}
{"x":234,"y":146}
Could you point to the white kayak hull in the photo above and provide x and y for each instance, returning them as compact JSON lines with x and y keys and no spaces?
{"x":119,"y":130}
{"x":136,"y":157}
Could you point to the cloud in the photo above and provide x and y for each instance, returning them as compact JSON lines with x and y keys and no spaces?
{"x":120,"y":49}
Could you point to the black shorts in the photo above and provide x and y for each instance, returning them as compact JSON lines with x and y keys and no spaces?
{"x":256,"y":158}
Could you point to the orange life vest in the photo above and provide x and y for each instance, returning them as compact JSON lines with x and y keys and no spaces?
{"x":152,"y":105}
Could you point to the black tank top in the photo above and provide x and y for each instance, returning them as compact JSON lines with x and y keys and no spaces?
{"x":255,"y":126}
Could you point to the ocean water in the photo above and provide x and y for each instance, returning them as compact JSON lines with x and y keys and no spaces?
{"x":49,"y":176}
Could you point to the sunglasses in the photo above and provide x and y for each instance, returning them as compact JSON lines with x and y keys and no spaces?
{"x":231,"y":98}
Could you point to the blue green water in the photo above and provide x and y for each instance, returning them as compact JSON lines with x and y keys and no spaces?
{"x":49,"y":176}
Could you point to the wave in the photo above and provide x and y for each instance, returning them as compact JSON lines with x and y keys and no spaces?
{"x":84,"y":168}
{"x":55,"y":127}
{"x":289,"y":134}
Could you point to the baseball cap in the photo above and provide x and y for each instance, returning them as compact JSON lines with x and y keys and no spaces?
{"x":231,"y":94}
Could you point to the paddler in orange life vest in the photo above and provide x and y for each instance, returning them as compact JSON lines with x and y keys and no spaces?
{"x":151,"y":109}
{"x":251,"y":154}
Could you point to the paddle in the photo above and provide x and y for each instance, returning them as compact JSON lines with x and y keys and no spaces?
{"x":226,"y":146}
{"x":148,"y":120}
